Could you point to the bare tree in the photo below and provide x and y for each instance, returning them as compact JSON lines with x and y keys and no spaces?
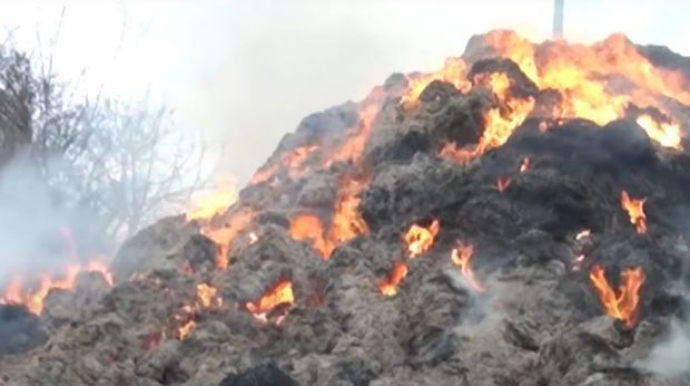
{"x":112,"y":166}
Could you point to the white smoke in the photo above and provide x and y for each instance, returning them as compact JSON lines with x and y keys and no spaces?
{"x":670,"y":358}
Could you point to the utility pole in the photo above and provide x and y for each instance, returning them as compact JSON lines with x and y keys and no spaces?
{"x":558,"y":19}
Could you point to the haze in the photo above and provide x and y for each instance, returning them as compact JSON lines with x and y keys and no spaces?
{"x":246,"y":72}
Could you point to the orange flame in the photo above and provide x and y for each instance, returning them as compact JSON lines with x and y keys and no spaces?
{"x":186,"y":329}
{"x":223,"y":237}
{"x":389,"y":286}
{"x":502,"y":184}
{"x":635,"y":209}
{"x":419,"y":239}
{"x":293,"y":161}
{"x":32,"y":298}
{"x":462,"y":257}
{"x":524,"y":166}
{"x":499,"y":123}
{"x":623,"y":305}
{"x":205,"y":206}
{"x":279,"y":295}
{"x":206,"y":296}
{"x":665,"y":133}
{"x":346,"y":222}
{"x":309,"y":227}
{"x":452,"y":72}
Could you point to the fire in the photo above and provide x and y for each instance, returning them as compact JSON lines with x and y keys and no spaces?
{"x":635,"y":209}
{"x":499,"y":122}
{"x":346,"y":222}
{"x":293,"y":161}
{"x":462,"y":257}
{"x":253,"y":238}
{"x":209,"y":205}
{"x":389,"y":286}
{"x":186,"y":329}
{"x":583,"y":234}
{"x":502,"y":184}
{"x":352,"y":148}
{"x":453,"y":72}
{"x":419,"y":239}
{"x":206,"y":296}
{"x":524,"y":166}
{"x":224,"y":236}
{"x":279,"y":295}
{"x":309,"y":227}
{"x":667,"y":134}
{"x":623,"y":305}
{"x":32,"y":297}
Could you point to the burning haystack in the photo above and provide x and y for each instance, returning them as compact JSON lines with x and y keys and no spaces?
{"x":518,"y":217}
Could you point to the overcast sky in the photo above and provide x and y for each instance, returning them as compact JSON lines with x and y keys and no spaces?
{"x":246,"y":72}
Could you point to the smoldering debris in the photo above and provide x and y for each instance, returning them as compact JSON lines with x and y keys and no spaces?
{"x":485,"y":224}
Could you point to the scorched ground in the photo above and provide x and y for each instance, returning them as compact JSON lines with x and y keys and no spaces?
{"x":518,"y":217}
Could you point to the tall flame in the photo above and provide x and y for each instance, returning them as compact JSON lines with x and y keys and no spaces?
{"x":462,"y":257}
{"x":419,"y":239}
{"x":623,"y":305}
{"x":635,"y":209}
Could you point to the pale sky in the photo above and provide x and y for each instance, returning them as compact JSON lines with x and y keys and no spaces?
{"x":246,"y":71}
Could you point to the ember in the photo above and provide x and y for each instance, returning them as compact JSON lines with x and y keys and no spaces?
{"x":623,"y":305}
{"x":502,"y":184}
{"x":635,"y":209}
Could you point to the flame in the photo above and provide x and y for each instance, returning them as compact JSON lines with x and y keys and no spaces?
{"x":583,"y":234}
{"x":206,"y":205}
{"x":635,"y":209}
{"x":502,"y":184}
{"x":623,"y":305}
{"x":293,"y":161}
{"x":253,"y":238}
{"x":419,"y":239}
{"x":499,"y":122}
{"x":346,"y":222}
{"x":186,"y":329}
{"x":667,"y":134}
{"x":389,"y":286}
{"x":352,"y":148}
{"x":206,"y":296}
{"x":224,"y":236}
{"x":33,"y":297}
{"x":452,"y":72}
{"x":462,"y":257}
{"x":279,"y":295}
{"x":309,"y":227}
{"x":597,"y":82}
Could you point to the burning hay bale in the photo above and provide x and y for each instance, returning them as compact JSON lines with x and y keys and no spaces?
{"x":511,"y":219}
